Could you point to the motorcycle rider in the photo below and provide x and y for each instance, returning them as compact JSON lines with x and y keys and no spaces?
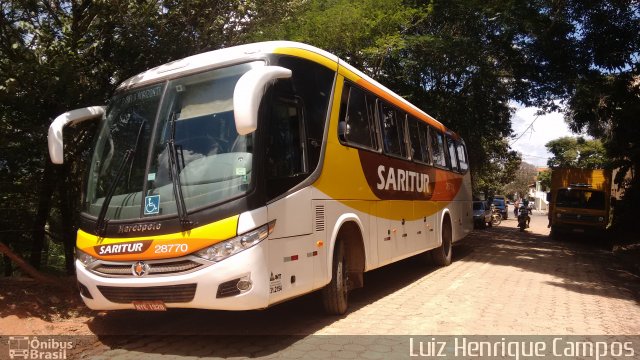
{"x":524,"y":210}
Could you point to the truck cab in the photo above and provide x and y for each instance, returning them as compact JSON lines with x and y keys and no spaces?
{"x":579,"y":201}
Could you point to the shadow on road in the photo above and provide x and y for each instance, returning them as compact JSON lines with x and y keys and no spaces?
{"x":581,"y":264}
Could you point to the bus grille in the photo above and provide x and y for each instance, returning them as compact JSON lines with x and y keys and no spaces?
{"x":167,"y":294}
{"x":156,"y":268}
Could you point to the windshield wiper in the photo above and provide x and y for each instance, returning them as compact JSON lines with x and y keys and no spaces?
{"x":175,"y":176}
{"x":101,"y":224}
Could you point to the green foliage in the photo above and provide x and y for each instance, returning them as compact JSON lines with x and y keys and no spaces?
{"x":363,"y":33}
{"x":545,"y":179}
{"x":577,"y":152}
{"x":524,"y":176}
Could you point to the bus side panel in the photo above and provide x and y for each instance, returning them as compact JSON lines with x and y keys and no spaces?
{"x":290,"y":270}
{"x":426,"y":212}
{"x":293,"y":214}
{"x":292,"y":264}
{"x":400,"y":233}
{"x":384,"y":241}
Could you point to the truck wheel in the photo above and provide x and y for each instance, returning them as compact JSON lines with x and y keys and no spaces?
{"x":335,"y":294}
{"x":442,"y":255}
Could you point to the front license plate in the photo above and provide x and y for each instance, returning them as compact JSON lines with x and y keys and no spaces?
{"x":155,"y":305}
{"x":578,"y":230}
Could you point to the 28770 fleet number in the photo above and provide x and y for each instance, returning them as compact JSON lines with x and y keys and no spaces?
{"x":171,"y":248}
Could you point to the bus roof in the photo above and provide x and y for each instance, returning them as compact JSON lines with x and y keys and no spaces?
{"x":255,"y":51}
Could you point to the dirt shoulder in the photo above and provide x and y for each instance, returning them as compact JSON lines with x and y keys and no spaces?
{"x":31,"y":308}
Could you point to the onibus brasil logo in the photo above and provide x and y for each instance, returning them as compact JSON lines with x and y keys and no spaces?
{"x":25,"y":347}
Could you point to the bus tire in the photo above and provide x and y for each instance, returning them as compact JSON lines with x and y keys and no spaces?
{"x":442,"y":255}
{"x":335,"y":294}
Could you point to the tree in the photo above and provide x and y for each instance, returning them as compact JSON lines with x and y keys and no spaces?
{"x":524,"y":177}
{"x":60,"y":55}
{"x":576,"y":152}
{"x":545,"y":179}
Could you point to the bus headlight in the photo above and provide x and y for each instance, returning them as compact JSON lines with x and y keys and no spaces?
{"x":224,"y":249}
{"x":601,"y":219}
{"x":558,"y":215}
{"x":84,"y":258}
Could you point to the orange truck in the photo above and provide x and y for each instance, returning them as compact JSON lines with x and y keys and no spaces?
{"x":579,"y":201}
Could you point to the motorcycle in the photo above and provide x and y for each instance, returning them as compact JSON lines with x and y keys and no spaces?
{"x":496,"y":217}
{"x":523,"y":217}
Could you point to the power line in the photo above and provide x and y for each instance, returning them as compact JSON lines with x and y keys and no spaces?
{"x":535,"y":156}
{"x":525,"y":130}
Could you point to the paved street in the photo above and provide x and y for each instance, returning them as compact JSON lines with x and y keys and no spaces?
{"x":502,"y":282}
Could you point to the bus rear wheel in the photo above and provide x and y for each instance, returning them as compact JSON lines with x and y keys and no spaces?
{"x":442,"y":255}
{"x":335,"y":294}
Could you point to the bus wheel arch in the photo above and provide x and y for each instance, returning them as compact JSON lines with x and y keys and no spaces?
{"x":347,"y":263}
{"x":442,"y":255}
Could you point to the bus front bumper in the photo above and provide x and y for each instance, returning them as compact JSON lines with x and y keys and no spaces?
{"x":212,"y":287}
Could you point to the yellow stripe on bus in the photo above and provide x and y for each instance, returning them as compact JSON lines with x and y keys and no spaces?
{"x":163,"y":246}
{"x":309,"y":55}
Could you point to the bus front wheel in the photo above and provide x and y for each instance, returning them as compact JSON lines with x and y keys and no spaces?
{"x":334,"y":295}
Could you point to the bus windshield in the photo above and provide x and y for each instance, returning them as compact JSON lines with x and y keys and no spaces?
{"x":132,"y":152}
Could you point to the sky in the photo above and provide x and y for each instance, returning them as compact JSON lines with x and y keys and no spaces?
{"x":532,"y":139}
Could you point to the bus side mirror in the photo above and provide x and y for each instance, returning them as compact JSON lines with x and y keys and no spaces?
{"x":56,"y":146}
{"x":249,"y":92}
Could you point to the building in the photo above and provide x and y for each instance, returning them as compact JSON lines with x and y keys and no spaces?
{"x":538,"y":194}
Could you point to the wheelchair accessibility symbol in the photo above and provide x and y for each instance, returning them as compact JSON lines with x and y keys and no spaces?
{"x":152,"y":205}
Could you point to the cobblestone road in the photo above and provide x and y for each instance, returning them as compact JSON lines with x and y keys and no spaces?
{"x":502,"y":282}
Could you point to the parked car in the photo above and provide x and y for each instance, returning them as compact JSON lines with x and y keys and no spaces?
{"x":500,"y":202}
{"x":481,"y":214}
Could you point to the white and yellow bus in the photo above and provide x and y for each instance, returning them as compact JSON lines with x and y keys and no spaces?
{"x":239,"y":178}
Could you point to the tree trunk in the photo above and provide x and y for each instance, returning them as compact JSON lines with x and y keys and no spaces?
{"x":24,"y":266}
{"x":44,"y":206}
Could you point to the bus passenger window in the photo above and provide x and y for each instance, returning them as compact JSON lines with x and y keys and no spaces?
{"x":423,"y":129}
{"x":452,"y":154}
{"x":357,"y":123}
{"x":417,"y":136}
{"x":392,"y":123}
{"x":462,"y":157}
{"x":437,"y":148}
